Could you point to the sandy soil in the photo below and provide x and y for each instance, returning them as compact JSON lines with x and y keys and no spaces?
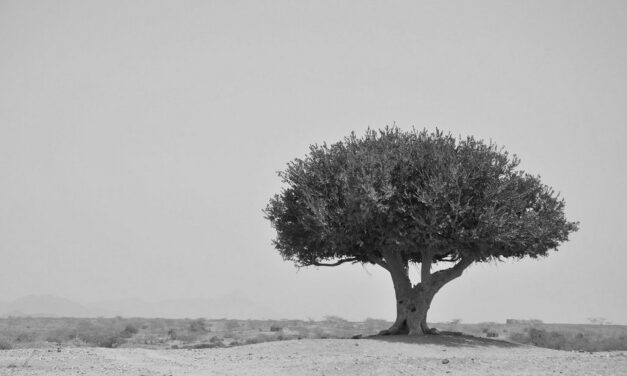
{"x":432,"y":355}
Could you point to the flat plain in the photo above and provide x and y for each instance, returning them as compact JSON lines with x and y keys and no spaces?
{"x":169,"y":347}
{"x":432,"y":355}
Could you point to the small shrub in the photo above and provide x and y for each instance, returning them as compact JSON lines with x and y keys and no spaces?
{"x":317,"y":332}
{"x":5,"y":343}
{"x":101,"y":334}
{"x":216,"y":339}
{"x":275,"y":328}
{"x":149,"y":339}
{"x":129,"y":331}
{"x":542,"y":338}
{"x":260,"y":338}
{"x":172,"y":334}
{"x":25,"y":337}
{"x":251,"y":341}
{"x":187,"y":336}
{"x":110,"y":341}
{"x":198,"y":326}
{"x":519,"y":337}
{"x":60,"y":336}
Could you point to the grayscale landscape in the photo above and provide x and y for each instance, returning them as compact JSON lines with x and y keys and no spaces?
{"x":274,"y":187}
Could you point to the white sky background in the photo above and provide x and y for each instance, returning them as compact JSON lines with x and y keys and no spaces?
{"x":139,"y":142}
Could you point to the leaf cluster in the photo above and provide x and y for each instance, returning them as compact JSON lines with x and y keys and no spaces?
{"x":412,"y":192}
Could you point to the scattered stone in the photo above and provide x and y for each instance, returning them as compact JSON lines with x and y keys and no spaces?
{"x":445,"y":361}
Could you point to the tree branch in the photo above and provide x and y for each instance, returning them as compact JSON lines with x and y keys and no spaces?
{"x":425,"y":265}
{"x":378,"y":260}
{"x":339,"y":262}
{"x":394,"y":261}
{"x":449,"y":258}
{"x":442,"y":277}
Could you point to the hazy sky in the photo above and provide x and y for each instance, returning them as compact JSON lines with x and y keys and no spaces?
{"x":139,"y":142}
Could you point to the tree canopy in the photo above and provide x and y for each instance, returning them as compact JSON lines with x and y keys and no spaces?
{"x":425,"y":196}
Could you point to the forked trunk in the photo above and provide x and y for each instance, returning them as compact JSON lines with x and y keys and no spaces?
{"x":413,"y":302}
{"x":412,"y":306}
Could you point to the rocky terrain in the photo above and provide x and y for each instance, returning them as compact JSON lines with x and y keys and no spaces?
{"x":432,"y":355}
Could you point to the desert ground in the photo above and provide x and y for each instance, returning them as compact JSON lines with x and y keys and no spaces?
{"x":397,"y":355}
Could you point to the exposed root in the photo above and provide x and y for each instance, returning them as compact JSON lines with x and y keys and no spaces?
{"x":402,"y":329}
{"x":399,"y":328}
{"x":432,"y":331}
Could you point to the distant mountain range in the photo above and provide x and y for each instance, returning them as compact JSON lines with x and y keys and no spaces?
{"x":235,"y":305}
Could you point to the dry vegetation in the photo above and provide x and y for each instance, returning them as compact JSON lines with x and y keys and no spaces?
{"x":24,"y":332}
{"x":579,"y":337}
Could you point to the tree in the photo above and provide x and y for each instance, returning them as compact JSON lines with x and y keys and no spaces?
{"x":393,"y":198}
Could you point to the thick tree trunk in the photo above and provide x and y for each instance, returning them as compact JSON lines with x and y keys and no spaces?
{"x":413,"y":302}
{"x":412,"y":306}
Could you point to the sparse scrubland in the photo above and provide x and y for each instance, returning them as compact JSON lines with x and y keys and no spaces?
{"x":25,"y":332}
{"x":578,"y":337}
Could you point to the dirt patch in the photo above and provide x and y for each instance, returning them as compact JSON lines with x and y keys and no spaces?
{"x":432,"y":355}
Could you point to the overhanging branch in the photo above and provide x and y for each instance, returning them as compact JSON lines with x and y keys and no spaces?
{"x":339,"y":262}
{"x":449,"y":258}
{"x":377,"y":260}
{"x":442,"y":277}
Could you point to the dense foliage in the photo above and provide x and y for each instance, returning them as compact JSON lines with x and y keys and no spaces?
{"x":408,"y":192}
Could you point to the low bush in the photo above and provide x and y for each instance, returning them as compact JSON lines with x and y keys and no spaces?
{"x":172,"y":334}
{"x":129,"y":331}
{"x":489,"y":332}
{"x":259,"y":338}
{"x":570,"y":341}
{"x":186,"y":336}
{"x":5,"y":343}
{"x":60,"y":336}
{"x":198,"y":326}
{"x":251,"y":341}
{"x":216,"y":339}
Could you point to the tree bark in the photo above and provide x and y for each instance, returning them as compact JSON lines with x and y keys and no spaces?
{"x":413,"y":302}
{"x":412,"y":305}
